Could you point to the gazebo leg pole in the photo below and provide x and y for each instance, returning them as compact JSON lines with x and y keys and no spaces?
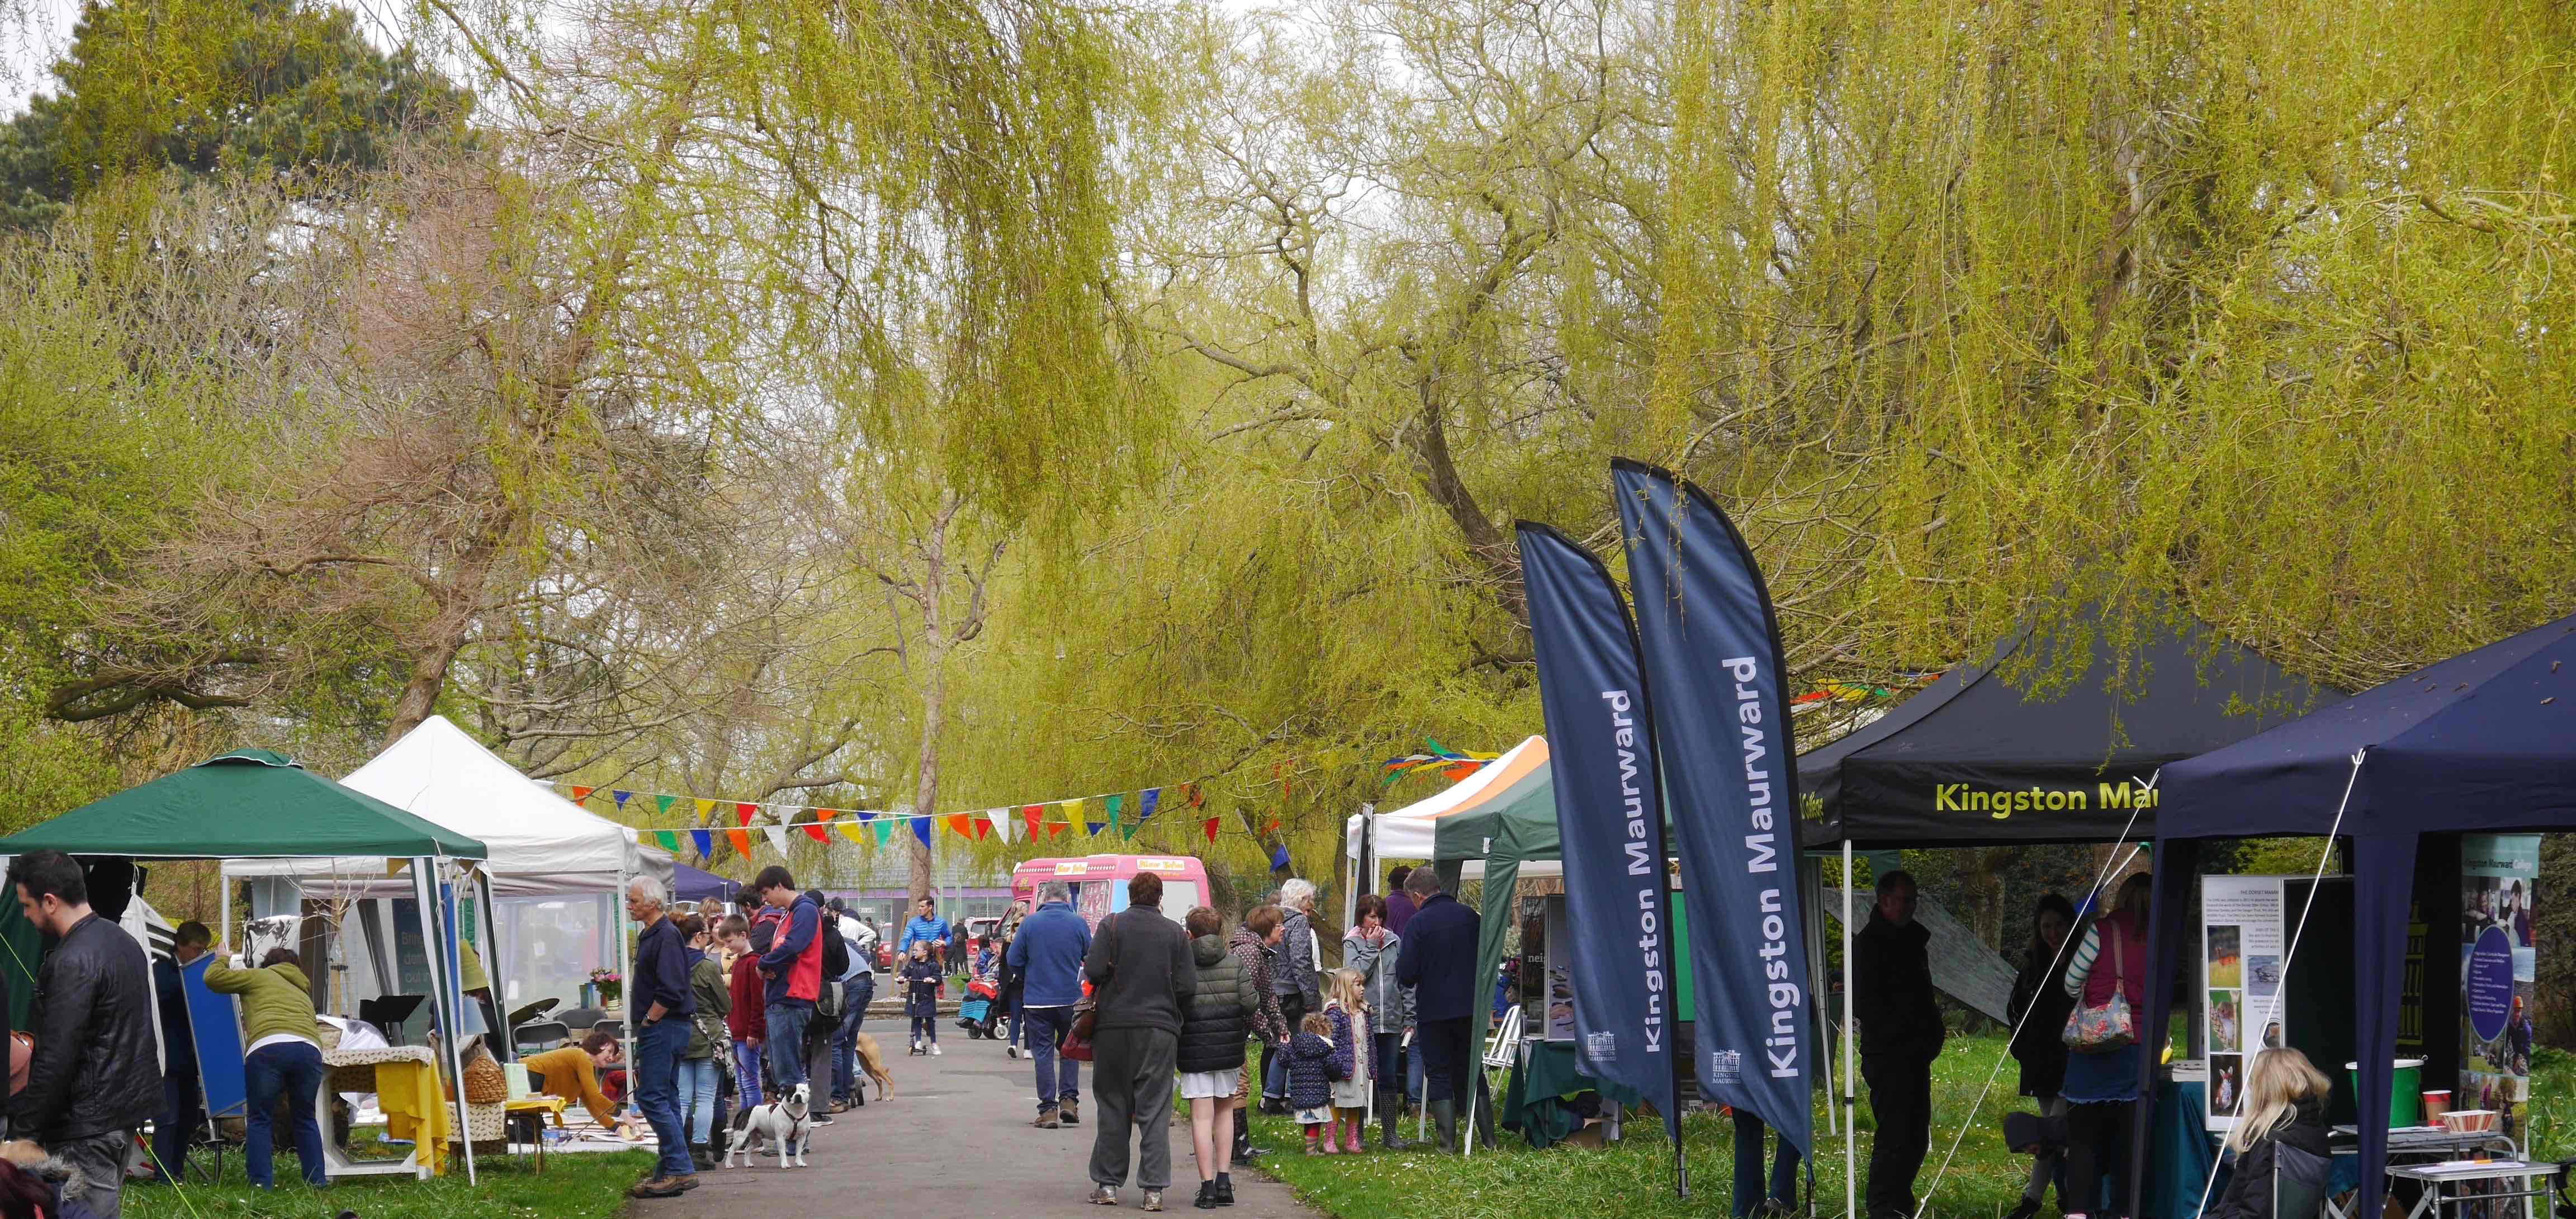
{"x":1851,"y":1126}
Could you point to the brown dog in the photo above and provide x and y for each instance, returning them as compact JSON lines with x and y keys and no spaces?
{"x":870,"y":1062}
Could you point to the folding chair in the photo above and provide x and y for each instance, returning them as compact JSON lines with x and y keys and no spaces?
{"x":1501,"y":1052}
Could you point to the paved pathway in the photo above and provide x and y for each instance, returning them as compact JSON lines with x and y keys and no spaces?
{"x":953,"y":1142}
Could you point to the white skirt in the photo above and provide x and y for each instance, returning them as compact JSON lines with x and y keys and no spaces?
{"x":1207,"y":1085}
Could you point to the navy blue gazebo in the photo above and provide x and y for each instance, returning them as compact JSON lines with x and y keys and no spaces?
{"x":2484,"y":742}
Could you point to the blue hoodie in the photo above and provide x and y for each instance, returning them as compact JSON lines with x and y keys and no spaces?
{"x":1048,"y":952}
{"x":924,"y":929}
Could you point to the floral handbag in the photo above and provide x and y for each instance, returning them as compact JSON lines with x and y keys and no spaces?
{"x":2110,"y":1025}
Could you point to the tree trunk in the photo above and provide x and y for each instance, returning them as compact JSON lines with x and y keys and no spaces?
{"x":934,"y":692}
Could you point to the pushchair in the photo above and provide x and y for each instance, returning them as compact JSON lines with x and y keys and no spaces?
{"x":979,"y":1013}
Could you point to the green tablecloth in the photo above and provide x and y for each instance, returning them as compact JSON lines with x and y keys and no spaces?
{"x":2179,"y":1152}
{"x":1535,"y":1102}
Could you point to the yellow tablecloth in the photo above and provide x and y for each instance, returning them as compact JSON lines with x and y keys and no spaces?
{"x":415,"y":1108}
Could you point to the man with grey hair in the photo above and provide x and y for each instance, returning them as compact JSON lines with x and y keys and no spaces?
{"x":1295,"y":980}
{"x":661,"y":998}
{"x":1048,"y":954}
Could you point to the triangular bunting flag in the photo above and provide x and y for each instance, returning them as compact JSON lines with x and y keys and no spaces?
{"x":1210,"y":827}
{"x":621,"y":798}
{"x":706,"y":811}
{"x":662,"y":804}
{"x":1145,"y":802}
{"x":1074,"y":814}
{"x":959,"y":824}
{"x":741,"y":841}
{"x":1279,"y":859}
{"x":670,"y":841}
{"x":742,"y":813}
{"x":1117,"y":804}
{"x":1274,"y":826}
{"x":704,"y":841}
{"x":1001,"y":821}
{"x":777,"y":835}
{"x":1031,"y":814}
{"x":814,"y":829}
{"x":855,"y":832}
{"x":885,"y":832}
{"x":580,"y":794}
{"x":921,"y":830}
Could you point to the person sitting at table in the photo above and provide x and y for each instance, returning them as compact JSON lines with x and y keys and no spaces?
{"x":285,"y":1059}
{"x":2280,"y":1142}
{"x":572,"y":1073}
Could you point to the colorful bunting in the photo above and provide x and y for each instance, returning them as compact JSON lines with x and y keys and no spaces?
{"x":705,"y":842}
{"x":921,"y":830}
{"x":1145,"y":802}
{"x":814,"y":829}
{"x":885,"y":832}
{"x":1031,"y":814}
{"x":1117,"y":805}
{"x":957,"y":824}
{"x":741,"y":841}
{"x":1210,"y":827}
{"x":777,"y":836}
{"x":580,"y":794}
{"x":662,"y":804}
{"x":742,"y":813}
{"x":670,"y":841}
{"x":1001,"y":819}
{"x":706,"y":811}
{"x":855,"y":832}
{"x":621,"y":798}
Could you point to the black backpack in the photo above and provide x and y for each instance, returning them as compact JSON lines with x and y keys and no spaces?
{"x":836,"y":951}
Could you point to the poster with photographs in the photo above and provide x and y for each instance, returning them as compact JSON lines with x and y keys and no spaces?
{"x":1560,"y":974}
{"x":2499,"y":877}
{"x":2243,"y":940}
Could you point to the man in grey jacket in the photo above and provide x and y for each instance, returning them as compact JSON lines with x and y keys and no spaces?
{"x":1142,"y":975}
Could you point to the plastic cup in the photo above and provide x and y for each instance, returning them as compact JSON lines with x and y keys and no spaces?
{"x":2436,"y":1103}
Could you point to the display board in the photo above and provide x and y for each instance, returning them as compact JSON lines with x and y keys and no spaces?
{"x":2499,"y":878}
{"x":2243,"y":964}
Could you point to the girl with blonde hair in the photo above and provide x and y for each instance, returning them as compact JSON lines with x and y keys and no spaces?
{"x":2279,"y":1141}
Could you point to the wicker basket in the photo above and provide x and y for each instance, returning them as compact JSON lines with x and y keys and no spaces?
{"x":485,"y":1082}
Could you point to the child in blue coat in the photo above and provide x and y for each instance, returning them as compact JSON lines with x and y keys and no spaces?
{"x":1314,"y":1062}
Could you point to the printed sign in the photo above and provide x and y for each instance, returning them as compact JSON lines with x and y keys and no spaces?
{"x":2499,"y":878}
{"x":2242,"y":963}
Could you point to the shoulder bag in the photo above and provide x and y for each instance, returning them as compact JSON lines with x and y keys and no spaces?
{"x":2110,"y":1025}
{"x":1086,"y":1010}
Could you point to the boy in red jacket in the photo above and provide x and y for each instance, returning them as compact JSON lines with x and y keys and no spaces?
{"x":745,"y":1022}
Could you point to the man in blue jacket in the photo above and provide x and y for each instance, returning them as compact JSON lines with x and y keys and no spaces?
{"x":1048,"y":954}
{"x":1439,"y":963}
{"x":925,"y":927}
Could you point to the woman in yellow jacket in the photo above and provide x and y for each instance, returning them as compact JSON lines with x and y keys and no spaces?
{"x":284,"y":1058}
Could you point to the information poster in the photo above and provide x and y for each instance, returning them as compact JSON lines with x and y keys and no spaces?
{"x":2243,"y":944}
{"x":2499,"y":875}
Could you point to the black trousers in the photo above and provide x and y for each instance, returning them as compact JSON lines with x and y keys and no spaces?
{"x":1900,"y":1097}
{"x":1449,"y":1057}
{"x":2097,"y":1153}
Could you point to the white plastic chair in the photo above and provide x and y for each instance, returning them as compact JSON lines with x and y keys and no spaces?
{"x":1501,"y":1052}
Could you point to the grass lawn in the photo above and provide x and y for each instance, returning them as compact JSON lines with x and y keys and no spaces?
{"x":1633,"y":1179}
{"x":583,"y":1186}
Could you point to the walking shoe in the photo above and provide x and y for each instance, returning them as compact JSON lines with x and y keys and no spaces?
{"x":1153,"y":1200}
{"x":934,"y":1049}
{"x":1206,"y":1200}
{"x":1071,"y":1110}
{"x":822,"y":1119}
{"x":655,"y":1187}
{"x":1225,"y":1189}
{"x":1103,"y":1195}
{"x":1046,"y":1120}
{"x":1011,"y":1050}
{"x":686,"y":1182}
{"x":2027,"y":1208}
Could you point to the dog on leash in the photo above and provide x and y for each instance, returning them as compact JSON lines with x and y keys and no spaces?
{"x":788,"y":1125}
{"x":873,"y":1064}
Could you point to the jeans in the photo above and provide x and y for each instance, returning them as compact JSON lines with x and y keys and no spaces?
{"x":1015,"y":1023}
{"x":1132,"y":1073}
{"x":1748,"y":1168}
{"x":845,"y":1046}
{"x":1047,"y":1029}
{"x":101,"y":1161}
{"x":746,"y":1074}
{"x":183,"y":1114}
{"x":697,"y":1099}
{"x":293,"y":1070}
{"x":658,"y":1047}
{"x":786,"y":1045}
{"x":925,"y":1030}
{"x":1900,"y":1097}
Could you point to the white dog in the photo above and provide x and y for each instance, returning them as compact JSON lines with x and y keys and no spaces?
{"x":788,"y":1124}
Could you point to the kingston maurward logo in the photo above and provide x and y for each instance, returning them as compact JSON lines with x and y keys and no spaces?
{"x":2000,"y":803}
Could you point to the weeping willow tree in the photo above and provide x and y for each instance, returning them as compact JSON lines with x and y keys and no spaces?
{"x":2251,"y":303}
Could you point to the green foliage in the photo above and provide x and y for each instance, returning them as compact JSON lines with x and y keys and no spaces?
{"x":287,"y":87}
{"x":589,"y":1186}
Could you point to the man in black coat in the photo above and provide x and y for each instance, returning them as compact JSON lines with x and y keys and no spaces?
{"x":95,"y":1076}
{"x":1439,"y":963}
{"x":1900,"y":1036}
{"x":1142,"y":977}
